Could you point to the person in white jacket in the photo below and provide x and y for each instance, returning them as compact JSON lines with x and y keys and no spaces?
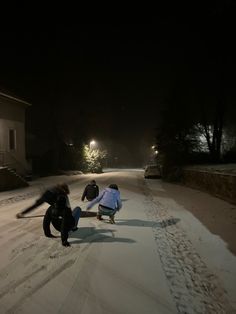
{"x":109,"y":202}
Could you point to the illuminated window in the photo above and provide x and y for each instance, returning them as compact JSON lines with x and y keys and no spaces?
{"x":12,"y":139}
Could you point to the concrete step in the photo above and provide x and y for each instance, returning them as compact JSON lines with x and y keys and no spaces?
{"x":10,"y":180}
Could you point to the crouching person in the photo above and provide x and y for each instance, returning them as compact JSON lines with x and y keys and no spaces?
{"x":62,"y":218}
{"x":109,"y":202}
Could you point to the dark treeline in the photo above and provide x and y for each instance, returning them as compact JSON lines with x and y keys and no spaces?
{"x":196,"y":121}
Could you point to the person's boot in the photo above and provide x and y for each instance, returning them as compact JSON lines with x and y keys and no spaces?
{"x":99,"y":217}
{"x":74,"y":229}
{"x":112,"y":220}
{"x":50,"y":235}
{"x":19,"y":215}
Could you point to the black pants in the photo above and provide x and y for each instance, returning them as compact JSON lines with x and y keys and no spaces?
{"x":38,"y":202}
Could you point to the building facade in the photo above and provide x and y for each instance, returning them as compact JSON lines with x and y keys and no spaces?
{"x":12,"y":133}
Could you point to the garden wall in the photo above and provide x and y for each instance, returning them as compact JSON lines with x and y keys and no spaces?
{"x":218,"y":183}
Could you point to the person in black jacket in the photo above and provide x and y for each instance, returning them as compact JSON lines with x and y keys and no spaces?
{"x":62,"y":218}
{"x":91,"y":191}
{"x":49,"y":196}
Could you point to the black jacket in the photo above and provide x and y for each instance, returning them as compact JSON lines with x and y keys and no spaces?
{"x":61,"y":218}
{"x":91,"y":191}
{"x":51,"y":195}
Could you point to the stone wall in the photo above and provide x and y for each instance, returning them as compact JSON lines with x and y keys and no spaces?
{"x":222,"y":185}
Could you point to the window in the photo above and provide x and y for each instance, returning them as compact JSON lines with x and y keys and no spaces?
{"x":12,"y":139}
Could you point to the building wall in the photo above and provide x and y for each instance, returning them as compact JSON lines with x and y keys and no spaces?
{"x":12,"y":116}
{"x":10,"y":109}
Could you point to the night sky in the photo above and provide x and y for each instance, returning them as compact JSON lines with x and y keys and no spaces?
{"x":109,"y":79}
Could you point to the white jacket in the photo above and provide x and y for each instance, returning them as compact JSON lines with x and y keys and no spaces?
{"x":109,"y":198}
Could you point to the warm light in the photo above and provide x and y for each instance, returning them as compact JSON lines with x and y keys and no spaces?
{"x":156,"y":152}
{"x":92,"y":144}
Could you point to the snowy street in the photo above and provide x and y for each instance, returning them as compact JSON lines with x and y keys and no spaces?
{"x":172,"y":250}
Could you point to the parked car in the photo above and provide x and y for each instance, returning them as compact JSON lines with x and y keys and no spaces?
{"x":152,"y":171}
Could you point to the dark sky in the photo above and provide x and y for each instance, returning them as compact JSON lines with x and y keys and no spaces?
{"x":114,"y":76}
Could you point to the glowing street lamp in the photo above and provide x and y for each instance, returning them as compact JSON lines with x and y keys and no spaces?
{"x":92,"y":144}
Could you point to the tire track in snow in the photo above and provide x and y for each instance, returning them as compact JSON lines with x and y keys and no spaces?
{"x":194,"y":288}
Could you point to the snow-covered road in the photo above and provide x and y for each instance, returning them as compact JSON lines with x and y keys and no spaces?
{"x":157,"y":258}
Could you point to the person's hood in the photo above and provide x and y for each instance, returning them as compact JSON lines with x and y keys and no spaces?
{"x":114,"y":191}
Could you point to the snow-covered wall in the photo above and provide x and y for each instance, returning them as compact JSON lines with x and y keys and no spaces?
{"x":218,"y":183}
